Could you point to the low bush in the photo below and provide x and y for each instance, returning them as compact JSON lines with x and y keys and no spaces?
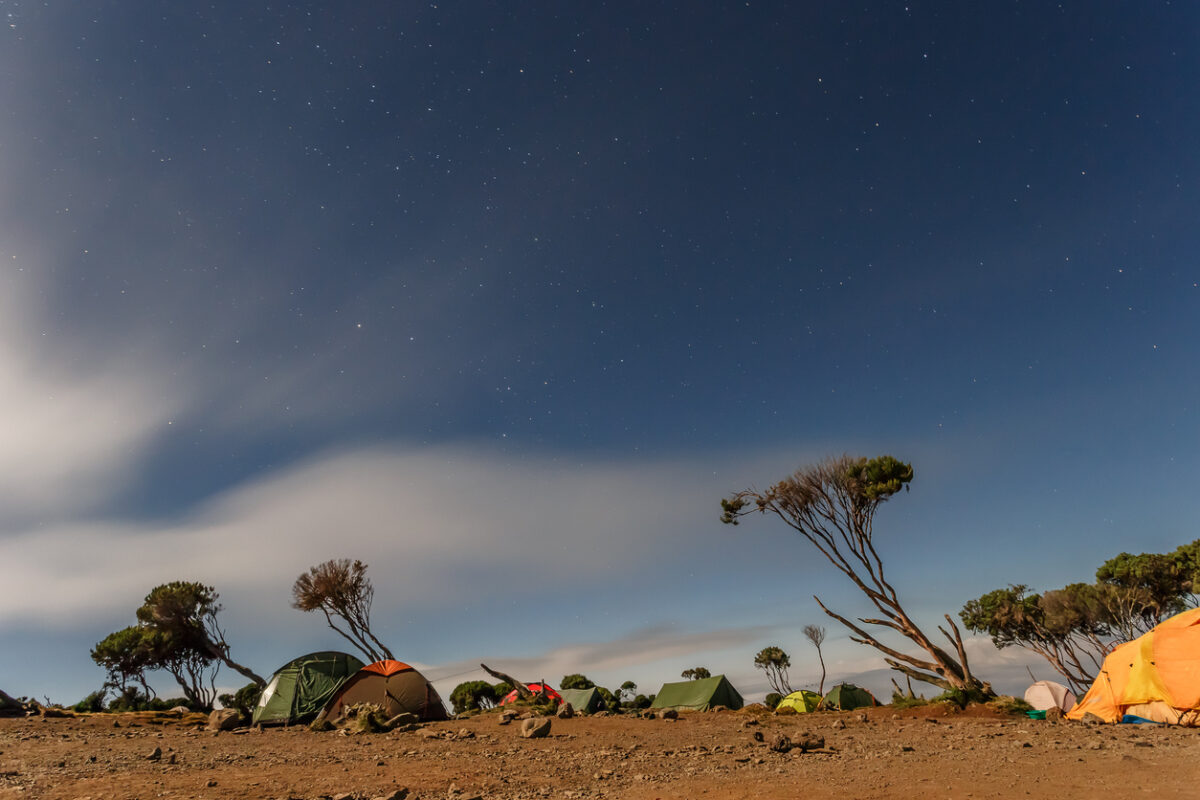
{"x":93,"y":703}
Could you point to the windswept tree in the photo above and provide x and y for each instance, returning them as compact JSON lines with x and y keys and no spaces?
{"x":341,"y":590}
{"x":129,"y":654}
{"x":1065,"y":627}
{"x":773,"y":661}
{"x":187,"y":612}
{"x":833,"y":506}
{"x":695,"y":674}
{"x":626,"y":691}
{"x":177,"y":631}
{"x":1076,"y":626}
{"x":816,"y":635}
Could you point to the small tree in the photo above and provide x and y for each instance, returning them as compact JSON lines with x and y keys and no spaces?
{"x":126,"y":656}
{"x":341,"y":590}
{"x":628,"y":689}
{"x":775,"y":663}
{"x":816,"y":635}
{"x":833,"y":505}
{"x":575,"y":681}
{"x":772,"y":699}
{"x":696,"y":674}
{"x":471,"y":695}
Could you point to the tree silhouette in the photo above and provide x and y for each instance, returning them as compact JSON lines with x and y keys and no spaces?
{"x":816,"y":635}
{"x":833,"y":505}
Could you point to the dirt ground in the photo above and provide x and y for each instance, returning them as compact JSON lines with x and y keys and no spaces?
{"x":923,"y":752}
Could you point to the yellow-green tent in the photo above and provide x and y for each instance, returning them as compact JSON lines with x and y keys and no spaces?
{"x":1156,"y":676}
{"x":801,"y":702}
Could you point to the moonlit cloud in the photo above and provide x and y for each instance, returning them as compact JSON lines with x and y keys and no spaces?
{"x":76,"y":422}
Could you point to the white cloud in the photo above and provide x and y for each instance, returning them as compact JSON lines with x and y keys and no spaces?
{"x":75,"y":423}
{"x":420,"y":518}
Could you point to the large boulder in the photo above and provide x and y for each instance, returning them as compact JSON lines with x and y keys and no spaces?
{"x":224,"y":719}
{"x":535,"y":728}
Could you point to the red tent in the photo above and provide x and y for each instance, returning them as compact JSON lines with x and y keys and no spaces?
{"x":535,"y":688}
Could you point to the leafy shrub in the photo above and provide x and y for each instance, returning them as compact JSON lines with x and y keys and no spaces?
{"x":1007,"y":704}
{"x":93,"y":703}
{"x":244,"y":699}
{"x":772,"y":699}
{"x":473,"y":695}
{"x":962,"y":698}
{"x":908,"y":701}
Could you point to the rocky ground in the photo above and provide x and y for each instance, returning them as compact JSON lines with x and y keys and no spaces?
{"x":931,"y":751}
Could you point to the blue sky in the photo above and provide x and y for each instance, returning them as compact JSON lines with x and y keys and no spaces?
{"x":502,"y":301}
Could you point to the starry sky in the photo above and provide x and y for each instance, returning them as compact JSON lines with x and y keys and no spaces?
{"x":503,"y":298}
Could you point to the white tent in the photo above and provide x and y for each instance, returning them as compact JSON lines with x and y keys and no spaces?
{"x":1045,"y":695}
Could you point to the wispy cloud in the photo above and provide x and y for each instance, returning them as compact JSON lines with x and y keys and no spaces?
{"x":77,"y":420}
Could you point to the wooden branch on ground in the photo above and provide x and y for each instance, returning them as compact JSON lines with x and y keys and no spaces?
{"x":522,"y":690}
{"x":924,"y":677}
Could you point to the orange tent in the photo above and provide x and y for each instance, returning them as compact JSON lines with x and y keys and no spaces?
{"x":1156,"y":676}
{"x":392,"y":685}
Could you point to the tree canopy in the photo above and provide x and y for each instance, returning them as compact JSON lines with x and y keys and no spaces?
{"x":696,"y":674}
{"x":341,"y":590}
{"x":575,"y":681}
{"x":775,"y":662}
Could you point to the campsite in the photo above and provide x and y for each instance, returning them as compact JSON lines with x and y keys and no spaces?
{"x":880,"y":752}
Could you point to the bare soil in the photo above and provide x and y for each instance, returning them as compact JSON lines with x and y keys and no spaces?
{"x":922,"y":752}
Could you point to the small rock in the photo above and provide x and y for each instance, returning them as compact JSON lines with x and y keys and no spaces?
{"x":1091,"y":719}
{"x":750,"y":723}
{"x":430,"y":733}
{"x":905,"y":748}
{"x":838,"y":724}
{"x":155,"y":754}
{"x":758,"y":736}
{"x":862,"y":717}
{"x":1054,"y":714}
{"x":465,"y":733}
{"x":210,"y":784}
{"x":780,"y":743}
{"x":565,"y":711}
{"x":668,"y":713}
{"x":1143,"y":744}
{"x":507,"y":717}
{"x":536,"y":728}
{"x":395,"y":794}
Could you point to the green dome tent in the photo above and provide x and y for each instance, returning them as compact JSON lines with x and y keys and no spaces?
{"x":801,"y":702}
{"x":585,"y":701}
{"x":301,"y":687}
{"x":847,"y":696}
{"x":698,"y":695}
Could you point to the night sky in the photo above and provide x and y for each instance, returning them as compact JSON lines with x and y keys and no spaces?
{"x":503,"y":298}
